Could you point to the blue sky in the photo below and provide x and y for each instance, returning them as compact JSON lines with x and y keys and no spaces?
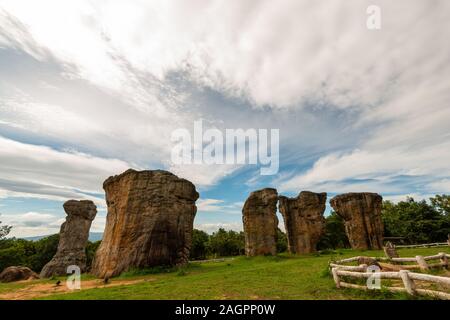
{"x":91,"y":88}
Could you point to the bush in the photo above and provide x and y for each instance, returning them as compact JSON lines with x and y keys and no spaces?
{"x":282,"y":243}
{"x":224,"y":243}
{"x":35,"y":254}
{"x":12,"y":256}
{"x":44,"y":250}
{"x":199,"y":245}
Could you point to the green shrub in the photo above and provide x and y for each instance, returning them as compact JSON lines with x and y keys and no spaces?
{"x":199,"y":245}
{"x":334,"y":236}
{"x":35,"y":254}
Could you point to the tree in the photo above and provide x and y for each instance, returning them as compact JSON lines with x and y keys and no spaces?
{"x":4,"y":231}
{"x":44,"y":250}
{"x":226,"y":243}
{"x":441,"y":203}
{"x":281,"y":241}
{"x":199,"y":245}
{"x":417,"y":222}
{"x":12,"y":256}
{"x":91,"y":249}
{"x":334,"y":236}
{"x":36,"y":254}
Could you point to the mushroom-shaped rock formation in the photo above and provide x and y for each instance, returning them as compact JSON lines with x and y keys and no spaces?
{"x":149,"y":222}
{"x":362,"y":218}
{"x":73,"y":238}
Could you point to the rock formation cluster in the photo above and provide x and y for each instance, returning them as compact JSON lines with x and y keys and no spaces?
{"x":73,"y":238}
{"x":149,"y":222}
{"x":362,"y":218}
{"x":303,"y":220}
{"x":151,"y":215}
{"x":259,"y":216}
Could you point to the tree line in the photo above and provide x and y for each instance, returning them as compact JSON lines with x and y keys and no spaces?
{"x":414,"y":221}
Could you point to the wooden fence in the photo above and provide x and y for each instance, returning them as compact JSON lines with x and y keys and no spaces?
{"x":408,"y":278}
{"x":425,"y":245}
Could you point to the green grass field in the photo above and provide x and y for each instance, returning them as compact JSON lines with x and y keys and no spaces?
{"x":280,"y":277}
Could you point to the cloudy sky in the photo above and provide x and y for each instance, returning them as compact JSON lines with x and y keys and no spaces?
{"x":91,"y":88}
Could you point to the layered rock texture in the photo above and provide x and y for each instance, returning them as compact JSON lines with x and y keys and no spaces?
{"x":260,"y":222}
{"x":73,"y":238}
{"x":303,"y":220}
{"x":362,"y":217}
{"x":149,"y":222}
{"x":12,"y":274}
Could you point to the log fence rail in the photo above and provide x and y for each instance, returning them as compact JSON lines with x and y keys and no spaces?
{"x":340,"y":269}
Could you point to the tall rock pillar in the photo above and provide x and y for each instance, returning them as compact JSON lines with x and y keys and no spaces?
{"x":149,"y":223}
{"x":303,"y":220}
{"x":261,"y":222}
{"x":362,"y":217}
{"x":73,"y":238}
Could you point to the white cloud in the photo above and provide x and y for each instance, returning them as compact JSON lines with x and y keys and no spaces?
{"x":13,"y":35}
{"x":40,"y":117}
{"x":32,"y":224}
{"x":212,"y":227}
{"x":203,"y":175}
{"x":21,"y":189}
{"x":244,"y":48}
{"x":403,"y":197}
{"x":86,"y":121}
{"x":32,"y":170}
{"x":439,"y":186}
{"x":30,"y":219}
{"x":376,"y":169}
{"x":219,"y":206}
{"x":98,"y":225}
{"x":324,"y":50}
{"x":397,"y":76}
{"x":209,"y":205}
{"x":381,"y":96}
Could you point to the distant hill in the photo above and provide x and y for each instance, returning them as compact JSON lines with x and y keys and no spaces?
{"x":93,"y":236}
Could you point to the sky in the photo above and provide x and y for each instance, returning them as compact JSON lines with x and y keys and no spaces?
{"x":89,"y":89}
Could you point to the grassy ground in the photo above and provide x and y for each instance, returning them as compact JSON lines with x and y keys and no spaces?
{"x":281,"y":277}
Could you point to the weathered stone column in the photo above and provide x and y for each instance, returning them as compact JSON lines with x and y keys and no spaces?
{"x":149,"y":223}
{"x":362,"y":217}
{"x":73,"y":238}
{"x":261,"y":222}
{"x":303,"y":220}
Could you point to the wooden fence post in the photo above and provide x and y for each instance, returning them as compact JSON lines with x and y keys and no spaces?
{"x":337,"y":281}
{"x":409,"y":284}
{"x":408,"y":278}
{"x":390,"y":251}
{"x":422,"y":263}
{"x":444,"y":259}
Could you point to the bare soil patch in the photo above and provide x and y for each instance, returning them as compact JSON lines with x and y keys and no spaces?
{"x":44,"y":289}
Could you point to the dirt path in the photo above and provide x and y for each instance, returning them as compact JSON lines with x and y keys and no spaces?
{"x":46,"y":289}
